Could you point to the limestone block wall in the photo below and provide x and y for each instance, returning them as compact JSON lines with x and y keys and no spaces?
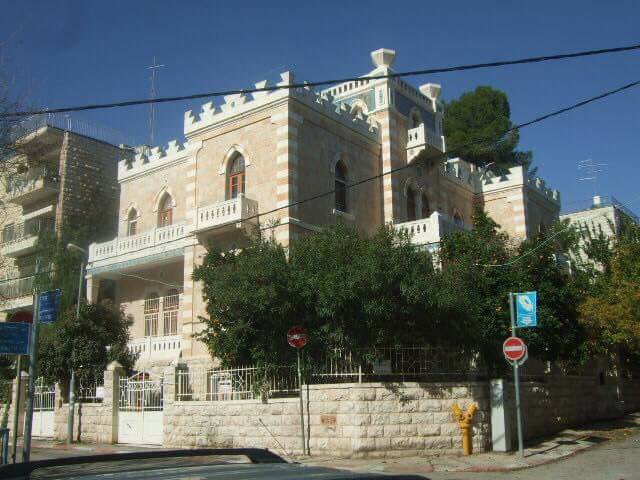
{"x":631,"y":394}
{"x":563,"y":401}
{"x":372,"y":419}
{"x":91,"y":422}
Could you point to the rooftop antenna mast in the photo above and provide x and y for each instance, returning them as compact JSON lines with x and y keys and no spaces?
{"x":591,"y":169}
{"x":154,"y":94}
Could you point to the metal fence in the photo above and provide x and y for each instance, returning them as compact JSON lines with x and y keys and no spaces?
{"x":44,"y":397}
{"x":235,"y":384}
{"x":90,"y":387}
{"x":141,"y":393}
{"x":337,"y":366}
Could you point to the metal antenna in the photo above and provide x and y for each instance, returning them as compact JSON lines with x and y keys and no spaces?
{"x":154,"y":93}
{"x":592,"y":169}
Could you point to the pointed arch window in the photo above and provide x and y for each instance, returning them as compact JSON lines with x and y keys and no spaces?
{"x":457,"y":218}
{"x":340,"y":187}
{"x":132,"y":222}
{"x":236,"y":177}
{"x":165,"y":211}
{"x":411,"y":204}
{"x":425,"y":211}
{"x":416,"y":119}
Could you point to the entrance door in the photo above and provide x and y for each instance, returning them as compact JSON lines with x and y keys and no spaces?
{"x":140,"y":410}
{"x":43,"y":416}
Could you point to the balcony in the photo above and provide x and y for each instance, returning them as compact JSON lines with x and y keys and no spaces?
{"x":429,"y":231}
{"x":16,"y":293}
{"x":22,"y":238}
{"x":162,"y":340}
{"x":421,"y":138}
{"x":229,"y":213}
{"x":36,"y":184}
{"x":142,"y":244}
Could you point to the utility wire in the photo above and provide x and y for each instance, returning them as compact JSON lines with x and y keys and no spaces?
{"x":411,"y":73}
{"x":445,"y":155}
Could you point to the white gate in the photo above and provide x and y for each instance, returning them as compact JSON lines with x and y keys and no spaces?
{"x":140,"y":410}
{"x":43,"y":416}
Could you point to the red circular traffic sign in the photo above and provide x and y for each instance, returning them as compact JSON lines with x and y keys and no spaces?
{"x":297,"y":336}
{"x":21,"y":317}
{"x":514,"y":349}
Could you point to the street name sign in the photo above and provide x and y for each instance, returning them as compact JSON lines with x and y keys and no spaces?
{"x":514,"y":349}
{"x":526,"y":309}
{"x":14,"y":338}
{"x":297,"y":336}
{"x":49,"y":304}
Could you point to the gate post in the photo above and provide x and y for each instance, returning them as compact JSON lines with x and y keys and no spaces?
{"x":112,"y":376}
{"x":169,"y":387}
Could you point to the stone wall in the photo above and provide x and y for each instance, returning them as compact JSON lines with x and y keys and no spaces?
{"x":562,"y":401}
{"x":91,"y":422}
{"x":372,"y":419}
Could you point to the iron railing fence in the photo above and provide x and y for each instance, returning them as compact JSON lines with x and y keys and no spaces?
{"x":141,"y":393}
{"x":337,"y":366}
{"x":44,"y":397}
{"x":32,"y":227}
{"x":90,"y":387}
{"x":244,"y":383}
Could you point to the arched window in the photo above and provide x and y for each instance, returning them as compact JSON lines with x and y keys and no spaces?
{"x":411,"y":204}
{"x":165,"y":211}
{"x":425,"y":210}
{"x":151,"y":310}
{"x":340,"y":187}
{"x":132,"y":222}
{"x":236,"y":177}
{"x":416,"y":120}
{"x":457,"y":218}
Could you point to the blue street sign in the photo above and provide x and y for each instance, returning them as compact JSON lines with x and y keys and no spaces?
{"x":14,"y":338}
{"x":48,"y":307}
{"x":526,"y":309}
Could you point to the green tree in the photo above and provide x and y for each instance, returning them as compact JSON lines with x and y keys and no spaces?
{"x":611,"y":313}
{"x":87,"y":344}
{"x":476,"y":128}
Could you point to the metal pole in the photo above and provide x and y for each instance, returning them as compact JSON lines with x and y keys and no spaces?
{"x":301,"y":404}
{"x":33,"y":370}
{"x":516,"y":380}
{"x":72,"y":381}
{"x":16,"y":408}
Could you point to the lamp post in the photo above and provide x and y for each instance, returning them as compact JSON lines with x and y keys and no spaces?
{"x":72,"y":383}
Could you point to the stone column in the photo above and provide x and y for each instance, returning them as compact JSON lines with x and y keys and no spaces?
{"x":170,"y":380}
{"x":112,"y":376}
{"x":23,"y":395}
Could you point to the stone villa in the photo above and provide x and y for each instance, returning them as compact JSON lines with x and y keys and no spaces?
{"x":262,"y":153}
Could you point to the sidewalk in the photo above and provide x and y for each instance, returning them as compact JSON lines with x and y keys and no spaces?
{"x":539,"y":452}
{"x":564,"y":444}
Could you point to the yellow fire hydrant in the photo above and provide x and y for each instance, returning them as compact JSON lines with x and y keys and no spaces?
{"x":464,"y":420}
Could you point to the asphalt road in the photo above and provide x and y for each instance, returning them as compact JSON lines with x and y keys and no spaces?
{"x":617,"y":460}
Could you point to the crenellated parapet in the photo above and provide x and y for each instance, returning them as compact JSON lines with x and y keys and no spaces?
{"x":517,"y":176}
{"x":147,"y":158}
{"x":239,"y":104}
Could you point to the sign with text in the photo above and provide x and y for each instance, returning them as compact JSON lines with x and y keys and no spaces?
{"x":49,"y":304}
{"x":514,"y":349}
{"x":526,"y":309}
{"x":14,"y":338}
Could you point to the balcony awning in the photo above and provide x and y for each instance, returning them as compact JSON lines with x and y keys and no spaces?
{"x":136,"y":262}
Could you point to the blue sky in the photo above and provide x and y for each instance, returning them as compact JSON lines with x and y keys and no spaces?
{"x":76,"y":52}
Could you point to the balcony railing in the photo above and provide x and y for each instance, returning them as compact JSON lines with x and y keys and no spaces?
{"x":35,"y":178}
{"x":429,"y":230}
{"x":226,"y":212}
{"x":17,"y":232}
{"x":161,"y":336}
{"x":122,"y":245}
{"x":420,"y":138}
{"x":16,"y":288}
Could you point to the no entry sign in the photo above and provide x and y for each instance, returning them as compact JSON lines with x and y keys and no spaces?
{"x":514,"y":349}
{"x":297,"y":336}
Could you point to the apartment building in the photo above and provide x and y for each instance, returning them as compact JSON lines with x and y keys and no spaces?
{"x":247,"y":161}
{"x":61,"y":170}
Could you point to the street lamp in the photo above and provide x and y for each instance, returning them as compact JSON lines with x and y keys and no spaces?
{"x":72,"y":247}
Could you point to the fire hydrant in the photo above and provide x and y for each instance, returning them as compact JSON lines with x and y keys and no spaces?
{"x":464,"y":420}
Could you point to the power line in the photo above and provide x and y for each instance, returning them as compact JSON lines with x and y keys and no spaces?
{"x":412,"y":73}
{"x":445,"y":155}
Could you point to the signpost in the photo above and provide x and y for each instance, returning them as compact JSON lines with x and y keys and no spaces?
{"x":49,"y":305}
{"x":297,"y":337}
{"x":523,"y":315}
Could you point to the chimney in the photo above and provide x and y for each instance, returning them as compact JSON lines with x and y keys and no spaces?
{"x":597,"y":201}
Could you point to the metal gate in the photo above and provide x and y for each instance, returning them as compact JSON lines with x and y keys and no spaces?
{"x":44,"y":399}
{"x":140,"y":410}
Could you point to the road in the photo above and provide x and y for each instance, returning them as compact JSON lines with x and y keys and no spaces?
{"x":618,"y":460}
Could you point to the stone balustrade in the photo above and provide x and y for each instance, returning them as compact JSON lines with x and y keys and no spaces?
{"x":226,"y":212}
